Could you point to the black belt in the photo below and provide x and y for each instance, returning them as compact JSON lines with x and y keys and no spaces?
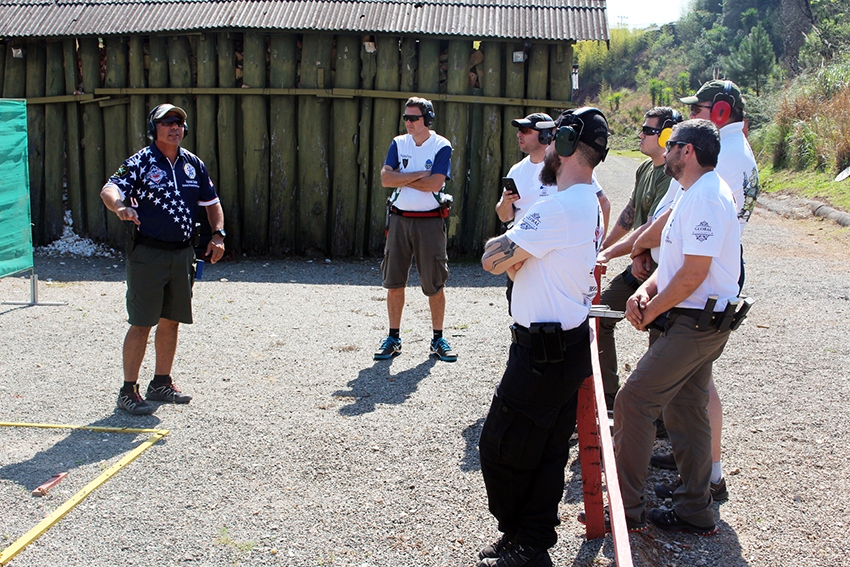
{"x":433,"y":213}
{"x":161,"y":244}
{"x":522,"y":336}
{"x":695,"y":314}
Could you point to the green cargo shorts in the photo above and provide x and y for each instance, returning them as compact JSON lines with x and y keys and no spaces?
{"x":159,"y":285}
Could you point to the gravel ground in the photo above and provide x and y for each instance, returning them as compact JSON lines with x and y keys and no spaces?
{"x":300,"y":450}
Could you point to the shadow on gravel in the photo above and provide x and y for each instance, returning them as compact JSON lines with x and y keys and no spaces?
{"x":80,"y":448}
{"x":376,"y":385}
{"x":471,"y":435}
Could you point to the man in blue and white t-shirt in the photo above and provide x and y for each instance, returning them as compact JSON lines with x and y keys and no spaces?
{"x":417,"y":166}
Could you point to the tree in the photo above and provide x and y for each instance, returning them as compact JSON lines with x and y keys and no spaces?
{"x":752,"y":63}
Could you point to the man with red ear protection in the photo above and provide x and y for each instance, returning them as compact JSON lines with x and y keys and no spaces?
{"x":721,"y":102}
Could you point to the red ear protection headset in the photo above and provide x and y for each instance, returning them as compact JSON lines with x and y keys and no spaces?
{"x":667,"y":128}
{"x":721,"y":107}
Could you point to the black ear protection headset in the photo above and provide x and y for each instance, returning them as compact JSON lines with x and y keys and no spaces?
{"x":545,"y":136}
{"x":568,"y":134}
{"x":667,"y":128}
{"x":151,"y":133}
{"x":427,"y":110}
{"x":721,"y":107}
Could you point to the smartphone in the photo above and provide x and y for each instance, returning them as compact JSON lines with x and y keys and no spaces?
{"x":509,"y":186}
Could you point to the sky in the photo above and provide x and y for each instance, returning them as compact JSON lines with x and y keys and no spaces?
{"x":642,"y":13}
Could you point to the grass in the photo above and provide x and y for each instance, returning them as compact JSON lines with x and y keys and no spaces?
{"x":808,"y":184}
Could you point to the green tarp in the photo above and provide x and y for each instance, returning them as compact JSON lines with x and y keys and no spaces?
{"x":15,"y":223}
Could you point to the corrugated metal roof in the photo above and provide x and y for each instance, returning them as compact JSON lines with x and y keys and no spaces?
{"x":544,"y":20}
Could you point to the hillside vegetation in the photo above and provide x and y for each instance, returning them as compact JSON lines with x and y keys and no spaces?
{"x":791,"y":59}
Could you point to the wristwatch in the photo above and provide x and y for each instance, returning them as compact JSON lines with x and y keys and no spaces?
{"x":220,"y":232}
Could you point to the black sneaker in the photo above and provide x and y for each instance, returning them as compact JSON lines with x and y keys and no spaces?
{"x":520,"y":556}
{"x":670,"y":521}
{"x":718,"y":489}
{"x":497,"y":548}
{"x":666,"y":461}
{"x":633,"y":526}
{"x":133,"y":402}
{"x":390,"y":348}
{"x":166,"y":393}
{"x":441,"y":348}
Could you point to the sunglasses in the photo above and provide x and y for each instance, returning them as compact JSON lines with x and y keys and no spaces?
{"x":669,"y":145}
{"x":411,"y":117}
{"x":169,"y":120}
{"x":650,"y":131}
{"x":697,"y":108}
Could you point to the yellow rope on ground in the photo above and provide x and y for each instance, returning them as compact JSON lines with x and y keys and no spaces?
{"x":7,"y":554}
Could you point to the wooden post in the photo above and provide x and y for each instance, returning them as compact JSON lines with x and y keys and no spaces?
{"x":255,"y":156}
{"x":205,"y":126}
{"x":73,"y":157}
{"x":283,"y":172}
{"x":35,"y":61}
{"x":15,"y":75}
{"x":313,"y":146}
{"x":429,"y":74}
{"x":227,"y":183}
{"x":367,"y":171}
{"x":345,"y":168}
{"x":54,"y":145}
{"x":384,"y":129}
{"x":115,"y":150}
{"x":157,"y":69}
{"x":475,"y":191}
{"x":560,"y":73}
{"x":514,"y":88}
{"x":538,"y":76}
{"x":457,"y":130}
{"x":180,"y":75}
{"x":7,"y":49}
{"x":490,"y":148}
{"x":95,"y":176}
{"x":138,"y":113}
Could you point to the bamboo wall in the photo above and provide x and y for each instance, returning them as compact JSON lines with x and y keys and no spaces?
{"x":293,"y":128}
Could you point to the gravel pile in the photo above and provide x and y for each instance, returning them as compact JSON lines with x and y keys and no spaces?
{"x":299,"y":450}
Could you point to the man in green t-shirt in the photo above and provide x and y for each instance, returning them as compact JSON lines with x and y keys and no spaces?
{"x":651,"y":184}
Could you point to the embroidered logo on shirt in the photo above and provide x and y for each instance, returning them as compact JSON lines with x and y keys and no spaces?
{"x":530,"y":222}
{"x":702,"y":231}
{"x":156,"y":175}
{"x":404,"y":163}
{"x":428,"y":165}
{"x":189,"y":171}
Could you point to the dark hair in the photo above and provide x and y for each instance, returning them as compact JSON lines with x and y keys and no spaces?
{"x":589,"y":155}
{"x":704,"y":136}
{"x":664,"y":114}
{"x":425,"y":107}
{"x":737,"y":115}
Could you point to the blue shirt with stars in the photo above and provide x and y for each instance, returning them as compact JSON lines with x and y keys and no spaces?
{"x":165,"y":197}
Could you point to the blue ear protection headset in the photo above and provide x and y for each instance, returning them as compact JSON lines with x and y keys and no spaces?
{"x":151,"y":133}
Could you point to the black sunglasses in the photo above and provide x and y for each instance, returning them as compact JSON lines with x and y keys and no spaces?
{"x":669,"y":145}
{"x":697,"y":108}
{"x":411,"y":117}
{"x":170,"y":120}
{"x":650,"y":131}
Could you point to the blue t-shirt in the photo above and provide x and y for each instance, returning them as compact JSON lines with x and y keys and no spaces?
{"x":165,"y":197}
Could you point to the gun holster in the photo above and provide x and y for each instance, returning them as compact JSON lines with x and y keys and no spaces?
{"x":131,"y":231}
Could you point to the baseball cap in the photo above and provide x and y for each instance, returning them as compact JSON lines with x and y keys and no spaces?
{"x":532,"y":120}
{"x":164,"y":109}
{"x":711,"y":89}
{"x":595,"y":130}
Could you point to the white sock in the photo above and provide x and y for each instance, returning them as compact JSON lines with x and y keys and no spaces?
{"x":716,"y":472}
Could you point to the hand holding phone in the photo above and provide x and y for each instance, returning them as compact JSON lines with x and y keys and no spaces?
{"x":509,"y":185}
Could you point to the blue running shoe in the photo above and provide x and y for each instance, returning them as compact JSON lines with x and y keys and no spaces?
{"x":391,"y":347}
{"x":443,"y":350}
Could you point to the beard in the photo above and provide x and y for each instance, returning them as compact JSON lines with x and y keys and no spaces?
{"x":551,"y":166}
{"x":673,"y":168}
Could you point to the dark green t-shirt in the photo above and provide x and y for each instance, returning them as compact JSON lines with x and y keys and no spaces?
{"x":651,"y":184}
